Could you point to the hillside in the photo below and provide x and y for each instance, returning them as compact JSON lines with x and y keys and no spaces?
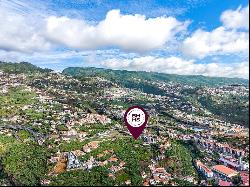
{"x":22,"y":67}
{"x":129,"y":78}
{"x":199,"y":91}
{"x":55,"y":119}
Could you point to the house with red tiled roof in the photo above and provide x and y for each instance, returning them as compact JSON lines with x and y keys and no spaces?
{"x":159,"y":175}
{"x":224,"y":171}
{"x":93,"y":144}
{"x":113,"y":159}
{"x":160,"y":170}
{"x":111,"y":175}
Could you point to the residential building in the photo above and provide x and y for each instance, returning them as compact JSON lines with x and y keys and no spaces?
{"x":204,"y":169}
{"x":224,"y":171}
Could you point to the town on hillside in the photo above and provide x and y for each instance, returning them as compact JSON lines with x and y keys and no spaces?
{"x":57,"y":129}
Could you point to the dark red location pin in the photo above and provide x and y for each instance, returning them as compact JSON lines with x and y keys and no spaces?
{"x":136,"y":119}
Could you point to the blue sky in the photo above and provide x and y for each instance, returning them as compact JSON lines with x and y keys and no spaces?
{"x":207,"y":37}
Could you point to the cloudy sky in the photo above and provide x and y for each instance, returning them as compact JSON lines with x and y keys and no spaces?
{"x":197,"y":37}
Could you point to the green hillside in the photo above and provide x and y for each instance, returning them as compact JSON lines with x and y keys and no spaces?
{"x":22,"y":67}
{"x":128,"y":78}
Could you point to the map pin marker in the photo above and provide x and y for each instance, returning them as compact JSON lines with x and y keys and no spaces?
{"x":136,"y":119}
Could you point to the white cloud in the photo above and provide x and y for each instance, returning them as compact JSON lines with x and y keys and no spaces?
{"x":230,"y":38}
{"x":236,"y":19}
{"x":176,"y":65}
{"x":218,"y":41}
{"x":48,"y":57}
{"x":20,"y":33}
{"x":128,"y":32}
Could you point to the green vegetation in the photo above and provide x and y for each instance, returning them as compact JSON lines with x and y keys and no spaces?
{"x":236,"y":180}
{"x":229,"y":108}
{"x":182,"y":182}
{"x":116,"y":102}
{"x":43,"y":129}
{"x":22,"y":67}
{"x":121,"y":177}
{"x":129,"y":78}
{"x":93,"y":129}
{"x":5,"y":143}
{"x":128,"y":150}
{"x":87,"y":127}
{"x":131,"y":152}
{"x":23,"y":135}
{"x":72,"y":145}
{"x":23,"y":164}
{"x":179,"y":160}
{"x":66,"y":101}
{"x":14,"y":100}
{"x":239,"y":142}
{"x":62,"y":127}
{"x":97,"y":177}
{"x":33,"y":114}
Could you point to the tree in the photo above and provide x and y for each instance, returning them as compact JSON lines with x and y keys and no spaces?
{"x":236,"y":180}
{"x":155,"y":148}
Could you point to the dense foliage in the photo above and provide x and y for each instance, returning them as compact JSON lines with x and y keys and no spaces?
{"x":97,"y":177}
{"x":23,"y":164}
{"x":26,"y":164}
{"x":179,"y":160}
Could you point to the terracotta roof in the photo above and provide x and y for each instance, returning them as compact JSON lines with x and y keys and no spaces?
{"x":83,"y":133}
{"x":110,"y":175}
{"x":113,"y":159}
{"x":93,"y":144}
{"x":224,"y":169}
{"x":100,"y":155}
{"x":146,"y":182}
{"x":160,"y":170}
